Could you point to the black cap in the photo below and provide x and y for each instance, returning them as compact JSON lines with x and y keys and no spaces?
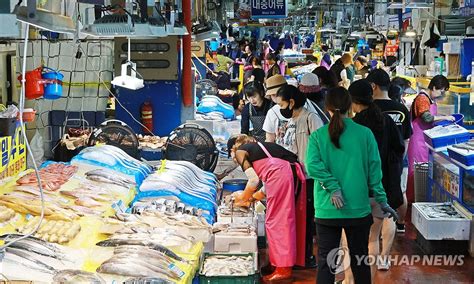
{"x":379,"y":77}
{"x":361,"y":92}
{"x":230,"y":144}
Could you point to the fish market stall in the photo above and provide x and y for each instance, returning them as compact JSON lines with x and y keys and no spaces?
{"x":450,"y":194}
{"x":104,"y":214}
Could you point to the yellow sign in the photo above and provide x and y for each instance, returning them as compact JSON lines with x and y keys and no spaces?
{"x":13,"y":154}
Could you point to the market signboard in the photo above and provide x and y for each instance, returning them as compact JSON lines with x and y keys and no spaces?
{"x":12,"y":154}
{"x":269,"y":9}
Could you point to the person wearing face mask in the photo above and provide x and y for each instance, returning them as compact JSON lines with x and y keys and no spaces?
{"x":301,"y":123}
{"x":424,"y":112}
{"x":285,"y":191}
{"x":255,"y":111}
{"x":343,"y":158}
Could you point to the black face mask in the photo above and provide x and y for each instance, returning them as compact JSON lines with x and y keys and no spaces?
{"x":286,"y":112}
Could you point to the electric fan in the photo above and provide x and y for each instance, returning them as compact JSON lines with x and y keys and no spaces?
{"x":116,"y":133}
{"x":192,"y":143}
{"x":206,"y":87}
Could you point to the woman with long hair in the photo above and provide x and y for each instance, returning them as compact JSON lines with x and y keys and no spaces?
{"x":344,"y":161}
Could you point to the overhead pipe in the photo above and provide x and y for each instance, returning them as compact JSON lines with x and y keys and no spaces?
{"x":187,"y":78}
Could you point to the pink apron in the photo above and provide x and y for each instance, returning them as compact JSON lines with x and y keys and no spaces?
{"x":417,"y":150}
{"x":285,"y":222}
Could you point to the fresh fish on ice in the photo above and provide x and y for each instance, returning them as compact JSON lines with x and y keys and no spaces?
{"x":71,"y":276}
{"x":30,"y":258}
{"x":148,"y":280}
{"x":120,"y":242}
{"x":34,"y":245}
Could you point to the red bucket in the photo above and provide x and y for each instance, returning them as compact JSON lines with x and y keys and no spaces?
{"x":34,"y":84}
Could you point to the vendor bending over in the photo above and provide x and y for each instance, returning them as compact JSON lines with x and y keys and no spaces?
{"x":285,"y":190}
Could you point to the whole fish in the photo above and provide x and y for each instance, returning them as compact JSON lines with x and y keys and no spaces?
{"x":77,"y":276}
{"x":157,"y":247}
{"x":145,"y":251}
{"x":148,"y":280}
{"x":158,"y":265}
{"x":106,"y":180}
{"x":125,"y":268}
{"x":34,"y":245}
{"x":20,"y":261}
{"x":110,"y":175}
{"x":30,"y":257}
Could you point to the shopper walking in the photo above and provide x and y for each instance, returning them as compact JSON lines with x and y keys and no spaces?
{"x":339,"y":68}
{"x":274,"y":69}
{"x":424,"y":112}
{"x":380,"y":81}
{"x":309,"y":86}
{"x":301,"y":123}
{"x":343,"y":159}
{"x":275,"y":123}
{"x":255,"y":111}
{"x":285,"y":189}
{"x":398,"y":89}
{"x":391,"y":150}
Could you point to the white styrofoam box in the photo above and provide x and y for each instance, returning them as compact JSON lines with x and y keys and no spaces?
{"x":440,"y":228}
{"x":233,"y":127}
{"x":249,"y":220}
{"x":452,"y":47}
{"x":210,"y":125}
{"x":225,"y":243}
{"x":261,"y":224}
{"x":209,"y":246}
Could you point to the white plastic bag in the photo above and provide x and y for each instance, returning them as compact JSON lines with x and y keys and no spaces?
{"x":37,"y":149}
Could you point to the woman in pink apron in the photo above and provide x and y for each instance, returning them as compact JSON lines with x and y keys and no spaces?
{"x":424,"y":113}
{"x":285,"y":191}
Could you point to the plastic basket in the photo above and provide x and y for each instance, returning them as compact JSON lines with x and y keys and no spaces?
{"x":467,"y":160}
{"x":250,"y":279}
{"x":459,"y":120}
{"x":421,"y":181}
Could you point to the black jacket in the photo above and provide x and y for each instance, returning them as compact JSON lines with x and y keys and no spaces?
{"x":337,"y":68}
{"x":391,"y":149}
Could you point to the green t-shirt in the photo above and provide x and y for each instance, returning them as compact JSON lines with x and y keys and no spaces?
{"x":223,"y":63}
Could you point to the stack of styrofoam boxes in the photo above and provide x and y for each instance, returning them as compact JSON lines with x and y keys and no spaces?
{"x":236,"y":244}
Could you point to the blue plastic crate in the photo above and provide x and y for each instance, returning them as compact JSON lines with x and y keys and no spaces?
{"x":468,"y":160}
{"x":444,"y":141}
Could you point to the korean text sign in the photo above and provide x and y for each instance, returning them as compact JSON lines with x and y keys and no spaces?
{"x":270,"y":9}
{"x":12,"y":154}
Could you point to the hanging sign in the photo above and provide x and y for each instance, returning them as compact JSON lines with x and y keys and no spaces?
{"x":13,"y":154}
{"x":268,"y":9}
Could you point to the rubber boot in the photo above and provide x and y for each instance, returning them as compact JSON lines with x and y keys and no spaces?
{"x":280,"y":274}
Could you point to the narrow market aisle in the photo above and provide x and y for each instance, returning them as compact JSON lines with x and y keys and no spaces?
{"x":406,"y":245}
